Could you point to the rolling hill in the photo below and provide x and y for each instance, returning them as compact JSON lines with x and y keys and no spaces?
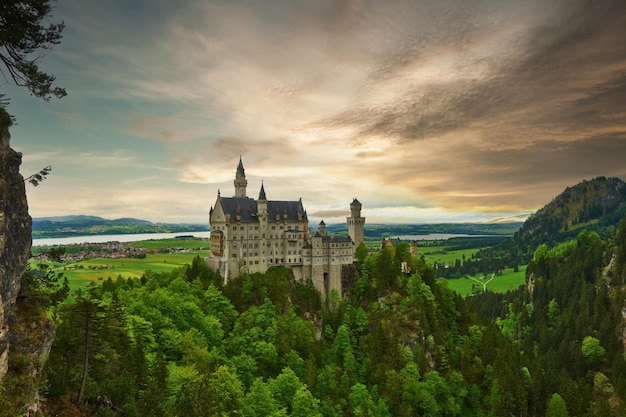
{"x":65,"y":226}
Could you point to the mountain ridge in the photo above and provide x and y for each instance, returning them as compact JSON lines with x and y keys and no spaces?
{"x":76,"y":225}
{"x":595,"y":205}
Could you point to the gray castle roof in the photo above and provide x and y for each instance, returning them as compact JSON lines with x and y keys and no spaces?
{"x":329,"y":239}
{"x":247,"y":208}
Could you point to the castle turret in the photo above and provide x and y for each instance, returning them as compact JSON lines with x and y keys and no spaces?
{"x":321,"y":229}
{"x":240,"y":181}
{"x":356,"y":223}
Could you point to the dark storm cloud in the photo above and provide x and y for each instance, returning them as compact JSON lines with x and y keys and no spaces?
{"x":565,"y":74}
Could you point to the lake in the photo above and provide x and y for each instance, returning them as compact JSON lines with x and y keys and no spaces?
{"x":147,"y":236}
{"x":440,"y":236}
{"x":115,"y":238}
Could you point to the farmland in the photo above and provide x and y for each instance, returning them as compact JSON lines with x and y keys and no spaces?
{"x":443,"y":254}
{"x":164,"y":255}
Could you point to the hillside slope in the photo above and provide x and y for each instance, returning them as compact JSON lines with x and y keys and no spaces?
{"x":596,"y":205}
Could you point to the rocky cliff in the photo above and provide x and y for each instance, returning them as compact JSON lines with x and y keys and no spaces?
{"x":25,"y":333}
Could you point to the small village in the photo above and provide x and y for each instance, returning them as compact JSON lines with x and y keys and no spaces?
{"x":111,"y":250}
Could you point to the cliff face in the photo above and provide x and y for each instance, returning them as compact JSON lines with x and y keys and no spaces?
{"x":25,"y":333}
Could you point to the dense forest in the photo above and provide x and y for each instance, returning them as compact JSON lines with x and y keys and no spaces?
{"x":596,"y":206}
{"x":187,"y":344}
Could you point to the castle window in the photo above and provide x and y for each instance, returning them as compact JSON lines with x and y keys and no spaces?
{"x":242,"y":228}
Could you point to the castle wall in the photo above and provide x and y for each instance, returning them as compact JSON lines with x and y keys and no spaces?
{"x":254,"y":235}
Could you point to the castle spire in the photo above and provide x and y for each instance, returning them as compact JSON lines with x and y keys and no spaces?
{"x":262,"y":192}
{"x":241,"y":173}
{"x":240,"y":180}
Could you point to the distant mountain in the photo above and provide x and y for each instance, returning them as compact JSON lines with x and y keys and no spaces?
{"x":376,"y":230}
{"x":596,"y":205}
{"x":65,"y":226}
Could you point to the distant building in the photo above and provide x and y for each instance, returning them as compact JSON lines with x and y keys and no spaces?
{"x":390,"y":242}
{"x":249,"y":235}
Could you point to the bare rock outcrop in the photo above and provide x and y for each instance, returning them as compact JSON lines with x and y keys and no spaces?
{"x":25,"y":332}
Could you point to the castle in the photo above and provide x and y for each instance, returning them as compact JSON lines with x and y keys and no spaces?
{"x":249,"y":235}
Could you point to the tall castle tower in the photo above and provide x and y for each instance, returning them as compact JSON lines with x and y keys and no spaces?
{"x":240,"y":181}
{"x":356,"y":223}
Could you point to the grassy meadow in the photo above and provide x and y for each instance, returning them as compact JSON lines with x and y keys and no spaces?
{"x":444,"y":254}
{"x":509,"y":280}
{"x":79,"y":274}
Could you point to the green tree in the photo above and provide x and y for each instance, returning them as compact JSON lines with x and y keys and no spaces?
{"x":86,"y":318}
{"x":24,"y":29}
{"x":360,"y":254}
{"x":556,"y":407}
{"x":284,"y":387}
{"x":259,"y":401}
{"x":386,"y":273}
{"x":305,"y":404}
{"x":363,"y":404}
{"x":592,"y":350}
{"x":225,"y":393}
{"x":153,"y":401}
{"x":553,"y":313}
{"x":43,"y":285}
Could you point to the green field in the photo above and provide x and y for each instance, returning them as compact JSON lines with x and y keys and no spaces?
{"x":192,"y":243}
{"x":509,"y":280}
{"x":80,"y":275}
{"x":443,"y":255}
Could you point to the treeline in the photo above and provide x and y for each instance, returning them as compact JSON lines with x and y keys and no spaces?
{"x":568,"y":321}
{"x":380,"y":231}
{"x":185,"y":343}
{"x":484,"y":261}
{"x":596,"y":206}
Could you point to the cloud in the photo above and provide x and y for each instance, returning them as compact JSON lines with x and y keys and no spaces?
{"x":419,"y":106}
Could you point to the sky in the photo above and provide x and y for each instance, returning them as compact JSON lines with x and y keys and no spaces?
{"x":426,"y":111}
